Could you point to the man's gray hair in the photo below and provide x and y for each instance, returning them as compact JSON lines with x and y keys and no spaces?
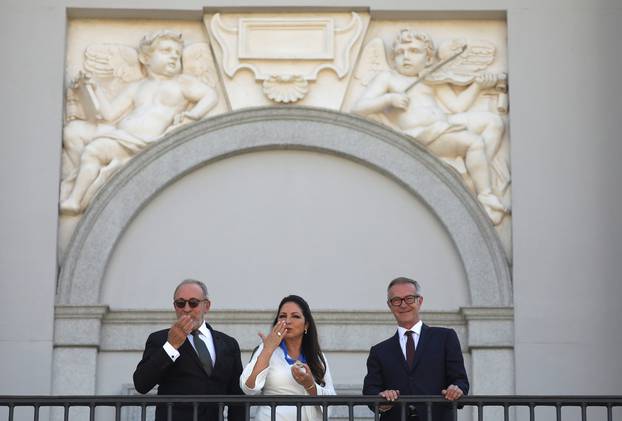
{"x":403,"y":280}
{"x":194,"y":282}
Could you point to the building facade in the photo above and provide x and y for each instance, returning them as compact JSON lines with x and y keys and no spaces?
{"x":289,"y":181}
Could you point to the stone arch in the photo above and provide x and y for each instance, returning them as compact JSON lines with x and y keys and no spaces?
{"x":299,"y":128}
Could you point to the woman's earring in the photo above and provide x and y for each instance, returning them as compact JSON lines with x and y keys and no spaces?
{"x":305,"y":330}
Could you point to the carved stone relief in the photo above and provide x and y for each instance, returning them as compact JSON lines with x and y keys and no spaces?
{"x":144,"y":95}
{"x":449,"y":93}
{"x":122,"y":96}
{"x":443,"y":83}
{"x":286,"y":58}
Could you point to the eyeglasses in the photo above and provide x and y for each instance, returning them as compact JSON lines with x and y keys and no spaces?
{"x":409,"y":299}
{"x":193,"y":302}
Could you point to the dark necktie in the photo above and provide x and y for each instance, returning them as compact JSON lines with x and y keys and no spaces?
{"x":410,"y":349}
{"x":204,"y":356}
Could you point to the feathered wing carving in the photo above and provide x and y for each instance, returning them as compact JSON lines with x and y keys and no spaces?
{"x":373,"y":61}
{"x":107,"y":61}
{"x":197,"y":61}
{"x":111,"y":66}
{"x":462,"y":70}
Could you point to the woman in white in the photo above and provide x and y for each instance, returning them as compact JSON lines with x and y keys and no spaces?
{"x":289,"y":362}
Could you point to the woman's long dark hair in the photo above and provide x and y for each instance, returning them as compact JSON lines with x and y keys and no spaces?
{"x":310,"y":343}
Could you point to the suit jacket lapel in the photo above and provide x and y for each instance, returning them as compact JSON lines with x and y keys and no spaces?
{"x":421,"y":345}
{"x":218,"y":346}
{"x":187,"y":349}
{"x":398,"y":355}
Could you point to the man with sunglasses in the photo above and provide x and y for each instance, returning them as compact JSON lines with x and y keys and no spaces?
{"x":191,"y":358}
{"x":417,"y":360}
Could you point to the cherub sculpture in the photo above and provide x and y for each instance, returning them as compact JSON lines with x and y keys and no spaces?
{"x":127,"y":100}
{"x":429,"y":96}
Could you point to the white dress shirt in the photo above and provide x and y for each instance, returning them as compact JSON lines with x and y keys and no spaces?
{"x":204,"y":334}
{"x":403,"y":338}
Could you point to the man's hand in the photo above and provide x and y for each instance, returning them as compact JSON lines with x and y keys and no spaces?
{"x":180,"y":330}
{"x":389,"y":395}
{"x":452,"y":393}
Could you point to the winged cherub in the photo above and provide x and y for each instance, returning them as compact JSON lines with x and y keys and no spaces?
{"x":430,"y":111}
{"x":137,"y":116}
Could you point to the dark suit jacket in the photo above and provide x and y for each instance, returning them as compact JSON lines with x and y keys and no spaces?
{"x":186,"y":375}
{"x":438,"y":363}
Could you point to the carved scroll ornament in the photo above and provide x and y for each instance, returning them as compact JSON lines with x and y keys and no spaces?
{"x":286,"y":53}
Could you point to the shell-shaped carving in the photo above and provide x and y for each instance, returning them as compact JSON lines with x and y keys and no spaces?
{"x":285,"y":88}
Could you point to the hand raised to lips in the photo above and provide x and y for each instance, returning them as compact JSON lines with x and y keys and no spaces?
{"x":274,"y":338}
{"x":180,"y":330}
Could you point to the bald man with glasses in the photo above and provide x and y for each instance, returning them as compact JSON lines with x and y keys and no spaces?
{"x":191,"y":358}
{"x":417,"y":360}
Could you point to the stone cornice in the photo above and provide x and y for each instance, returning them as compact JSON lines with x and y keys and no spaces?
{"x":343,"y":317}
{"x":80,"y":311}
{"x":488,"y":313}
{"x":341,"y":331}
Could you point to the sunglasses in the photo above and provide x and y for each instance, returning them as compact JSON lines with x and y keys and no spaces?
{"x":193,"y":302}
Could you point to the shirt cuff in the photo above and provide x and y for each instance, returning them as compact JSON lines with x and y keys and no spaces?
{"x":171,"y":351}
{"x":260,"y":381}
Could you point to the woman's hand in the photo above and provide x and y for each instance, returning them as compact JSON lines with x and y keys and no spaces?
{"x":274,"y":338}
{"x":270,"y":343}
{"x":302,"y":375}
